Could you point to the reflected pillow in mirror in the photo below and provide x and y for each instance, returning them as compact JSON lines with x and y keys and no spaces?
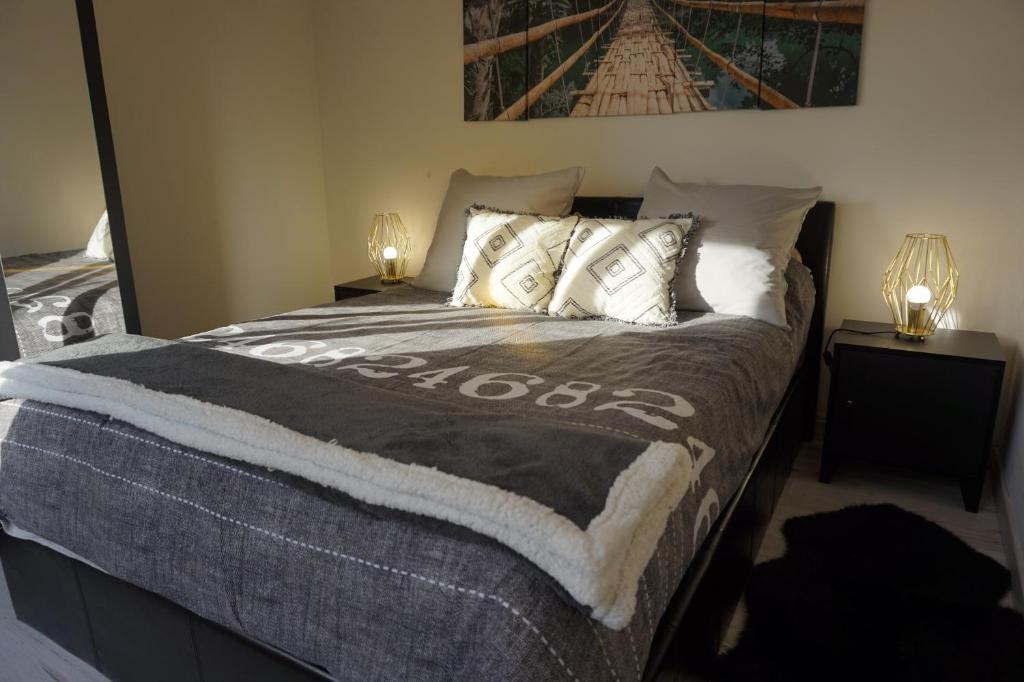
{"x":100,"y":246}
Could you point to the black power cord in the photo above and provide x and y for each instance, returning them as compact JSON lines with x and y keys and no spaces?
{"x":827,"y":354}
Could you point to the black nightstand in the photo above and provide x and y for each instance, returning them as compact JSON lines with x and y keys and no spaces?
{"x":928,"y":404}
{"x":362,"y":287}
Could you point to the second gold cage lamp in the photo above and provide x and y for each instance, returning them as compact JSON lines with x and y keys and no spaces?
{"x":920,"y":284}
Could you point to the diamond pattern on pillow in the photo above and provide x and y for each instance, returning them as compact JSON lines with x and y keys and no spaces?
{"x":615,"y":268}
{"x":529,"y":284}
{"x":497,"y":244}
{"x":588,"y":236}
{"x":511,"y":260}
{"x":573,"y":310}
{"x":621,"y":269}
{"x":664,"y":239}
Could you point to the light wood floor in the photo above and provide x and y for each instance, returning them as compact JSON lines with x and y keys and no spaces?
{"x":26,"y":656}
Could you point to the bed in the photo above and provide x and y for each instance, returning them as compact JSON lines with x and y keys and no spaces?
{"x":61,"y":298}
{"x":263,"y":571}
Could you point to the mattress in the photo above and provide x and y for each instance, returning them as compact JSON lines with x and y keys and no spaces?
{"x":369,"y":592}
{"x":61,"y":298}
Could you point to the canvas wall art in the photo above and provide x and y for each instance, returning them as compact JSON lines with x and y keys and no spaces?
{"x":566,"y":58}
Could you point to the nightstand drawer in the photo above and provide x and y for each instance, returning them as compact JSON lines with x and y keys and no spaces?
{"x":933,"y":412}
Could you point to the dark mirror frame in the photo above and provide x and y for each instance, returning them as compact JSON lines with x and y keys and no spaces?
{"x":8,"y":337}
{"x":108,"y":163}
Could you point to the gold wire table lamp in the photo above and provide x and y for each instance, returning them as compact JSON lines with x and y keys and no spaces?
{"x":920,"y":284}
{"x":388,"y":247}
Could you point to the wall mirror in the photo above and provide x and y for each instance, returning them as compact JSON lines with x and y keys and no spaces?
{"x":63,"y":246}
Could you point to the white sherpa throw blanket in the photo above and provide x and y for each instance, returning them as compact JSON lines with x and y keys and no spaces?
{"x":595,"y":542}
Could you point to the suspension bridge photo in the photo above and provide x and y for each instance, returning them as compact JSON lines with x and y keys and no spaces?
{"x":527,"y":59}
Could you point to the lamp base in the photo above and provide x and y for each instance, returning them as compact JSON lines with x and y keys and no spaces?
{"x":391,"y":280}
{"x":912,"y":334}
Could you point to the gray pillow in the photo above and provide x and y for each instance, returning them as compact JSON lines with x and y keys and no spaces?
{"x":736,"y":262}
{"x":549,"y":194}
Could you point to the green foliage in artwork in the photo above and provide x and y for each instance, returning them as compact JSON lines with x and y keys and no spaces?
{"x":547,"y":54}
{"x":491,"y":85}
{"x":737,"y":37}
{"x":788,"y":57}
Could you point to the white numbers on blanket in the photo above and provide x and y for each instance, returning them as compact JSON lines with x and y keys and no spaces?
{"x":575,"y":391}
{"x":513,"y":389}
{"x":658,"y":409}
{"x":278,"y":350}
{"x":60,"y":302}
{"x":706,"y":515}
{"x":435,"y":377}
{"x":332,"y":357}
{"x":37,"y":303}
{"x":28,"y":305}
{"x":679,"y":407}
{"x":229,"y":330}
{"x":706,"y":453}
{"x":64,"y":327}
{"x":369,"y":369}
{"x":231,"y":343}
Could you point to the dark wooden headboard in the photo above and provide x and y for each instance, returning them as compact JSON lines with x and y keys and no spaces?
{"x":814,"y":244}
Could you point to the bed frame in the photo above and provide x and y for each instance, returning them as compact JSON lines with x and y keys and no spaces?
{"x":131,"y":634}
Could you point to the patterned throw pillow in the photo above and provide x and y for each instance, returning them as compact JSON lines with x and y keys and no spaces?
{"x":510,"y":260}
{"x":622,"y":269}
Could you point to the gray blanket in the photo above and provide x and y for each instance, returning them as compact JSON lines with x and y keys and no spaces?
{"x":61,"y":298}
{"x":586,"y":502}
{"x":372,"y":592}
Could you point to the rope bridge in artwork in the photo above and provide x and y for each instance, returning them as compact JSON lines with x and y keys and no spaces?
{"x":641,"y":71}
{"x":488,"y":48}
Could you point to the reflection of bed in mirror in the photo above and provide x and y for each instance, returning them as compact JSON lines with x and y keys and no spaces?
{"x":61,"y":298}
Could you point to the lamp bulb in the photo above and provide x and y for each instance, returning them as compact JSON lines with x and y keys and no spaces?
{"x":919,"y":295}
{"x":391,"y":253}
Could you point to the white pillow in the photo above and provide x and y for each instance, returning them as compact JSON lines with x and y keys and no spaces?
{"x":737,"y":262}
{"x":547,"y":194}
{"x":622,"y":269}
{"x":99,"y":246}
{"x":511,"y":260}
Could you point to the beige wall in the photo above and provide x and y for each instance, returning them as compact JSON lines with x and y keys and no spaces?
{"x":50,"y":189}
{"x":935,"y":144}
{"x":217,"y":134}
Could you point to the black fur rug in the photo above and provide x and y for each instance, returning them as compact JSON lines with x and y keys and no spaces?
{"x":876,"y":593}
